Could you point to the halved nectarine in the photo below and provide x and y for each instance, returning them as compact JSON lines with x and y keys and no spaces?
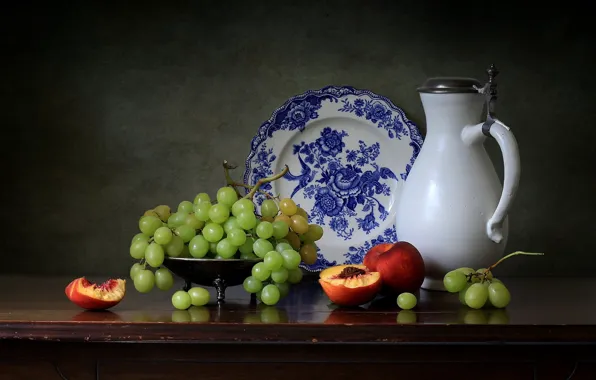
{"x":92,"y":296}
{"x":350,"y":285}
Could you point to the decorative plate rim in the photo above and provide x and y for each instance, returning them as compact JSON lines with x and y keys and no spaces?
{"x":338,"y":92}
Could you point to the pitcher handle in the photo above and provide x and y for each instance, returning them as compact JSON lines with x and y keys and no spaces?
{"x":473,"y":134}
{"x":509,"y":149}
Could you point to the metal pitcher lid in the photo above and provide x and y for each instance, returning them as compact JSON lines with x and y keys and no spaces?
{"x":450,"y":85}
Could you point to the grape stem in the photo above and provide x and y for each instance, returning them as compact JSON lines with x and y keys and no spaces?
{"x":263,"y":181}
{"x":230,"y":181}
{"x":227,"y":167}
{"x":485,"y":275}
{"x":511,"y":255}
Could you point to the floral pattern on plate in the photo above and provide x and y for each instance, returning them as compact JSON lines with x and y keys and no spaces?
{"x":343,"y":183}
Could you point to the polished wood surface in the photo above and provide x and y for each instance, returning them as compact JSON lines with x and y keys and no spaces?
{"x":547,"y":332}
{"x":542,"y":310}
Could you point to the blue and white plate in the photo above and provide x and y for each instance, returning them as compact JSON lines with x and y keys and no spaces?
{"x":349,"y":152}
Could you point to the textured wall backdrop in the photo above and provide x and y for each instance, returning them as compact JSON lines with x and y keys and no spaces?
{"x":112,"y":109}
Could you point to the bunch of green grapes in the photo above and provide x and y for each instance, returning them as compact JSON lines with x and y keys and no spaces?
{"x":228,"y":228}
{"x":283,"y":240}
{"x":477,"y":288}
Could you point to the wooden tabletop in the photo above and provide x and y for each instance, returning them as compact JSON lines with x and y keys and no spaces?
{"x":542,"y":311}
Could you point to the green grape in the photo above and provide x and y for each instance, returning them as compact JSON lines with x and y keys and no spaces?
{"x":243,"y":205}
{"x":282,"y":246}
{"x":202,"y":211}
{"x":261,"y":247}
{"x":294,"y":241}
{"x":299,"y":224}
{"x":252,"y":284}
{"x":219,"y":213}
{"x":140,"y":237}
{"x":185,"y":251}
{"x":279,"y":275}
{"x":202,"y":197}
{"x":494,"y":279}
{"x":270,"y":294}
{"x":198,"y":296}
{"x":163,"y":235}
{"x":175,"y":247}
{"x":291,"y":259}
{"x":246,"y":248}
{"x":154,"y":255}
{"x":406,"y":301}
{"x":295,"y":275}
{"x":498,"y":295}
{"x":144,"y":281}
{"x":273,"y":260}
{"x":248,"y":256}
{"x":186,"y":207}
{"x":192,"y":221}
{"x":260,"y":272}
{"x":163,"y":279}
{"x":314,"y":233}
{"x":466,"y":271}
{"x":253,"y":231}
{"x":288,"y":206}
{"x":213,"y":232}
{"x":198,"y":246}
{"x":176,"y":219}
{"x":246,"y":220}
{"x":284,"y":289}
{"x":213,"y":248}
{"x":226,"y":249}
{"x":489,"y":275}
{"x":269,"y":208}
{"x":237,"y":237}
{"x":181,"y":300}
{"x":181,"y":316}
{"x":280,"y":229}
{"x":308,"y":253}
{"x":231,"y":224}
{"x":476,"y":295}
{"x":148,"y":224}
{"x":134,"y":270}
{"x":137,"y":249}
{"x":283,"y":218}
{"x":163,"y":212}
{"x":462,"y":294}
{"x":265,"y":230}
{"x":185,"y":232}
{"x":227,"y":196}
{"x":302,"y":212}
{"x":454,"y":281}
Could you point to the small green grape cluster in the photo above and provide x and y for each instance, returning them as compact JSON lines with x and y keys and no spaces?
{"x":226,"y":229}
{"x":477,"y":288}
{"x":284,"y":239}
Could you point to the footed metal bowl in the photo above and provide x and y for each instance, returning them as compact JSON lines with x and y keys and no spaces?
{"x":218,"y":273}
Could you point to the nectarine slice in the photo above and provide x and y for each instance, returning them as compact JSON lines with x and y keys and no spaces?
{"x":92,"y":296}
{"x":350,"y":285}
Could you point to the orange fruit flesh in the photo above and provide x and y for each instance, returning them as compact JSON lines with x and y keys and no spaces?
{"x":356,"y":281}
{"x":111,"y":290}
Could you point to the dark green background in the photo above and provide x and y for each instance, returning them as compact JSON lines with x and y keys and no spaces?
{"x":113,"y":109}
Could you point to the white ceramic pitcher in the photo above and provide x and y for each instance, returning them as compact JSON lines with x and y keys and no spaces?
{"x":453,"y":207}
